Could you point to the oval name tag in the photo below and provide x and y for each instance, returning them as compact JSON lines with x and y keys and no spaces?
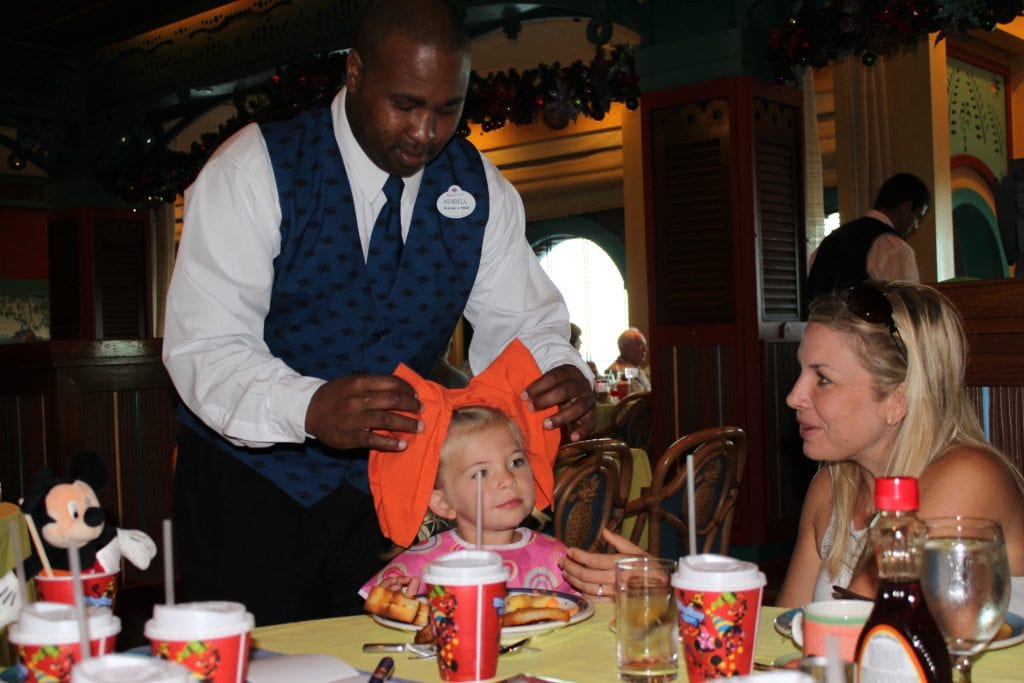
{"x":456,"y":203}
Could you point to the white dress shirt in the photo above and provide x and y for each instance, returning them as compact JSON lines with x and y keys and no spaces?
{"x":220,"y":290}
{"x":891,"y":257}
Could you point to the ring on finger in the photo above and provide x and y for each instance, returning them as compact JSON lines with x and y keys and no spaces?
{"x":600,"y":590}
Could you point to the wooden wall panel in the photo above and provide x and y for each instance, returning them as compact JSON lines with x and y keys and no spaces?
{"x":993,"y":315}
{"x":692,"y":178}
{"x":1002,"y":411}
{"x":789,"y":472}
{"x":703,"y":391}
{"x":99,"y":260}
{"x":68,"y":320}
{"x":22,"y":430}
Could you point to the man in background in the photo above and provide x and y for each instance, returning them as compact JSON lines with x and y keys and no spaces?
{"x":632,"y":356}
{"x":873,"y":246}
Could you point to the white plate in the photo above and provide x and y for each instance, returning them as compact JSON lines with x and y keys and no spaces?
{"x":784,"y":625}
{"x":508,"y":633}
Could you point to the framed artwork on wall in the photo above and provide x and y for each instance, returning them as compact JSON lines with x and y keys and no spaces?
{"x":24,"y":311}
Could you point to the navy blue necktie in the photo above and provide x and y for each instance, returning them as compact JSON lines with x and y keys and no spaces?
{"x":386,"y":241}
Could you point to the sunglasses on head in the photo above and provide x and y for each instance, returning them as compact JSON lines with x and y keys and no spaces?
{"x":871,"y":305}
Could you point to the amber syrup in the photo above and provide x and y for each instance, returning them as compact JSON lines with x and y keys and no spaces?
{"x":900,"y":643}
{"x":900,"y":613}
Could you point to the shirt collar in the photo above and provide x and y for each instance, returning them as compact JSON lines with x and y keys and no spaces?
{"x":879,"y":216}
{"x":362,"y":171}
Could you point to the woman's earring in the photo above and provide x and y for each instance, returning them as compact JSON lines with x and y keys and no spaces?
{"x":890,"y":421}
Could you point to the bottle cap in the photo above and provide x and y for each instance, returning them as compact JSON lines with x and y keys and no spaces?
{"x":896,"y":493}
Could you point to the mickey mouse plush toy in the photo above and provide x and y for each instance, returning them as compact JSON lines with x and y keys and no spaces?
{"x":66,"y":512}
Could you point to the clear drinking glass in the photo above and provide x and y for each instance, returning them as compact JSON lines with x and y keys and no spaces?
{"x":965,"y":577}
{"x":646,"y":620}
{"x":632,"y":381}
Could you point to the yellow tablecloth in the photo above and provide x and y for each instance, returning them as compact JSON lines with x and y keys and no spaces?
{"x":603,"y":413}
{"x":641,"y":478}
{"x":583,"y":652}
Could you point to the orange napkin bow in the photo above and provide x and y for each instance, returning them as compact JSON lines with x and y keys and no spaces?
{"x":401,"y":482}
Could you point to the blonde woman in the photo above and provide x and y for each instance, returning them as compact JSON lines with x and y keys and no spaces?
{"x":880,"y":393}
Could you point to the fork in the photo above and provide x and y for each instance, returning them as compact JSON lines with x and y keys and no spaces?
{"x":840,"y":592}
{"x":511,"y":648}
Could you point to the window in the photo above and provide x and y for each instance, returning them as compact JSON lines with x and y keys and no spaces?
{"x":594,"y":292}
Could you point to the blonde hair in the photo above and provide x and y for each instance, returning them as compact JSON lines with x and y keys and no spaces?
{"x":466,"y":424}
{"x":939,"y":416}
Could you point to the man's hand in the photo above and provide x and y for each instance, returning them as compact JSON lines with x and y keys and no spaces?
{"x":567,"y":388}
{"x":343,"y":412}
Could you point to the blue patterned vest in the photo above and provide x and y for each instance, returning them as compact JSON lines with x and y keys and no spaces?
{"x":323,"y":322}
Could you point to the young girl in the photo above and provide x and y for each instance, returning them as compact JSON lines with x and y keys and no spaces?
{"x":484,"y":433}
{"x":483,"y":445}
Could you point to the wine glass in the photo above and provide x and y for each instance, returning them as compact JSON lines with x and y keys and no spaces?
{"x":965,"y":577}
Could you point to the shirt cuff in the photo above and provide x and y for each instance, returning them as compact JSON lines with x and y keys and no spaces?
{"x":289,"y":402}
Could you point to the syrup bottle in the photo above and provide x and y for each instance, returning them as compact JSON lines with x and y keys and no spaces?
{"x":900,"y":641}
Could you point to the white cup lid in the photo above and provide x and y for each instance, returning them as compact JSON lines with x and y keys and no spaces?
{"x":56,"y":623}
{"x":198,"y":620}
{"x":777,"y":677}
{"x":129,"y":669}
{"x":465,"y":568}
{"x":717,"y":573}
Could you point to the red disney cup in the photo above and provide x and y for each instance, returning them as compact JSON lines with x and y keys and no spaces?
{"x":99,"y":588}
{"x":719,"y":602}
{"x":47,"y":641}
{"x":209,"y":638}
{"x":466,"y":592}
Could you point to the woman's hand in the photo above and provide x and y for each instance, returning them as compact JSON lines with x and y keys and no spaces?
{"x":594,"y":573}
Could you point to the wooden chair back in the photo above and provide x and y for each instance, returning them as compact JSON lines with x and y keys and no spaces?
{"x":719,"y":459}
{"x":630,"y":421}
{"x":592,"y":480}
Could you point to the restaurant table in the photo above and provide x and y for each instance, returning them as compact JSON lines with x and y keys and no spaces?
{"x":603,"y":414}
{"x":582,"y":652}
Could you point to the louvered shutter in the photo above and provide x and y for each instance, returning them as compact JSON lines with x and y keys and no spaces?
{"x":724,"y":204}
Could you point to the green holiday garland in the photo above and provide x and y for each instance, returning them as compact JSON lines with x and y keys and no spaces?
{"x":821,"y":31}
{"x":552,"y":93}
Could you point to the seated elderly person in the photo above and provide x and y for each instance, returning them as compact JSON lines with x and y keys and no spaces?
{"x":632,"y":355}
